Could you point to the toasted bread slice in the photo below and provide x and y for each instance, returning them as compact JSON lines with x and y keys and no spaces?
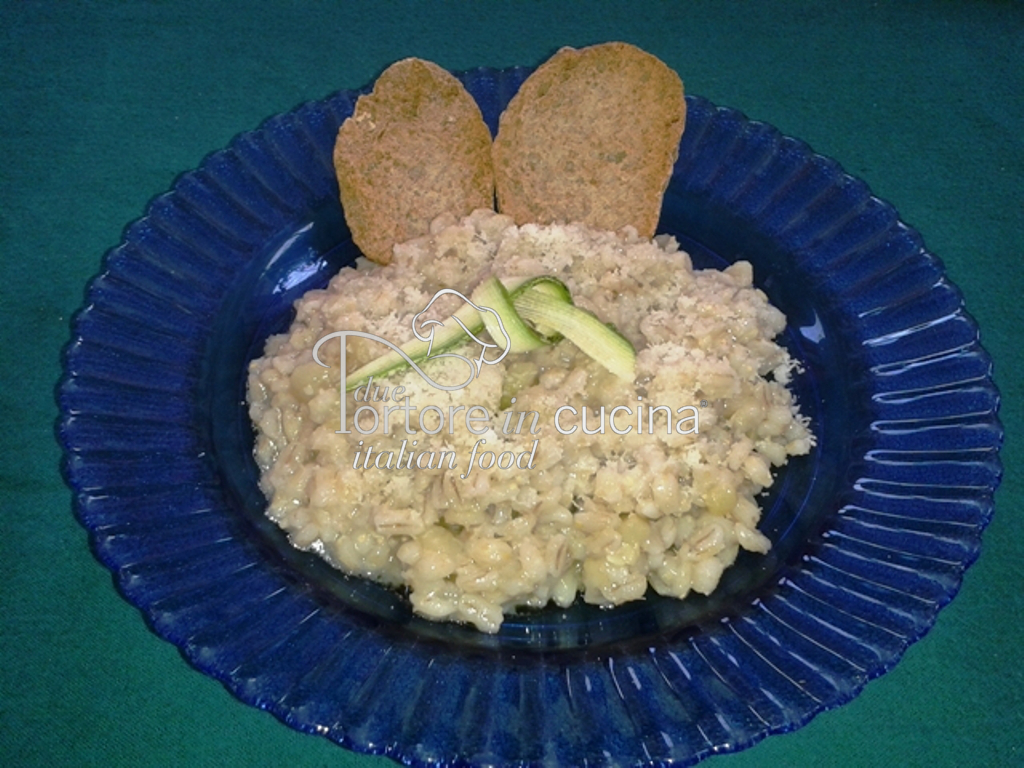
{"x":416,"y":148}
{"x":591,"y":136}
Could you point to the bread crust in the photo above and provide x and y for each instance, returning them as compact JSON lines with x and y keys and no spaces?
{"x":415,"y":148}
{"x":591,"y":136}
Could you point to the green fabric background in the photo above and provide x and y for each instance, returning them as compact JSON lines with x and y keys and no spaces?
{"x":102,"y":104}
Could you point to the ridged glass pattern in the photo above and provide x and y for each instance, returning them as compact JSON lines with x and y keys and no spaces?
{"x":872,"y":532}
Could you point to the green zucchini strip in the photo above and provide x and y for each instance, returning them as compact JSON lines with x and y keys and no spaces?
{"x":493,"y":294}
{"x":600,"y":340}
{"x":534,"y":312}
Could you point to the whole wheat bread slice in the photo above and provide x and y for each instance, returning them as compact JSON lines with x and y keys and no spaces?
{"x":415,"y":148}
{"x":591,"y":136}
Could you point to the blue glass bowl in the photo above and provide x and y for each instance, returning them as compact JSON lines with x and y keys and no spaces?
{"x":872,"y":532}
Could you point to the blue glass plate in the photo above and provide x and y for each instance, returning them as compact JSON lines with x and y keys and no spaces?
{"x":872,"y":532}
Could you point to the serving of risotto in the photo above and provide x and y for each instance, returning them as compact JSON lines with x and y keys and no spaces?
{"x":547,"y":475}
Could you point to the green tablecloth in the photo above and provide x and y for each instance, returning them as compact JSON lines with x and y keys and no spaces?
{"x":102,"y":104}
